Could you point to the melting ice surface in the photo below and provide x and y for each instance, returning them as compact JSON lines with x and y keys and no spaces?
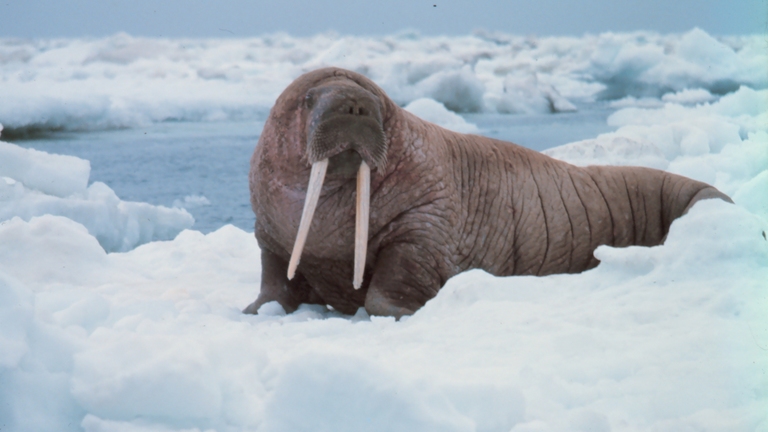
{"x":98,"y":334}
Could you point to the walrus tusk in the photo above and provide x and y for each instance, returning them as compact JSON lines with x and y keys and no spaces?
{"x":361,"y":222}
{"x":316,"y":177}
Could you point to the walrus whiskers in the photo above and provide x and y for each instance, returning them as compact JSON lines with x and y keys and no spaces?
{"x":361,"y":222}
{"x":316,"y":177}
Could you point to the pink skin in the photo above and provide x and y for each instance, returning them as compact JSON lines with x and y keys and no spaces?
{"x":441,"y":202}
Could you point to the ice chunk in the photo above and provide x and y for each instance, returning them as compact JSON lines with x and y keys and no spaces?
{"x":699,"y":47}
{"x":723,"y":143}
{"x":58,"y":235}
{"x":527,"y":95}
{"x":588,"y":421}
{"x":611,"y":149}
{"x":631,"y":101}
{"x":354,"y":393}
{"x":118,"y":225}
{"x":16,"y":316}
{"x":36,"y":183}
{"x":753,"y":195}
{"x":121,"y":381}
{"x":460,"y":91}
{"x":91,"y":423}
{"x":192,"y":201}
{"x":745,"y":101}
{"x":689,"y":96}
{"x":52,"y":174}
{"x":435,"y":112}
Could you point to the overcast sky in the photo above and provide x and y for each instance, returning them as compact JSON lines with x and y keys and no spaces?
{"x":223,"y":18}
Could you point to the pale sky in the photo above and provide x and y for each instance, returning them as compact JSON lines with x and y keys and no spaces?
{"x":226,"y":18}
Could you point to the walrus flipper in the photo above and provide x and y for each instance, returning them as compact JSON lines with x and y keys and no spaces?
{"x":705,"y":194}
{"x":401,"y":285}
{"x":275,"y":285}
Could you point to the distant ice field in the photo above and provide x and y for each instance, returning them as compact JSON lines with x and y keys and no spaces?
{"x":124,"y":81}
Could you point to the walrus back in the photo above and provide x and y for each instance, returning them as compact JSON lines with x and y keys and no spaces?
{"x":553,"y":215}
{"x":611,"y":205}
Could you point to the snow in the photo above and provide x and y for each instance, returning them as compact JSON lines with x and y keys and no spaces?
{"x":528,"y":95}
{"x":113,"y":317}
{"x":153,"y":338}
{"x":125,"y":81}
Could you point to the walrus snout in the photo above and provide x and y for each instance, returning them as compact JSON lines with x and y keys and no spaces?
{"x":345,"y":117}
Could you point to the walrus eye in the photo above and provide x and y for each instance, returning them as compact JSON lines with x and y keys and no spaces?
{"x":309,"y":99}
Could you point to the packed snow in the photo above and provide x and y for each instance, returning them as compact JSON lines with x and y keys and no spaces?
{"x":124,"y":81}
{"x":99,"y":335}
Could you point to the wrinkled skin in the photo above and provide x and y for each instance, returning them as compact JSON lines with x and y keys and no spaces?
{"x":441,"y":202}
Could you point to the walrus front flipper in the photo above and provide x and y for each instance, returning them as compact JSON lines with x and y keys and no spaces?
{"x":401,"y":284}
{"x":275,"y":286}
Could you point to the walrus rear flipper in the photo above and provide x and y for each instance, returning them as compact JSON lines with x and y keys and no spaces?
{"x":643,"y":202}
{"x":705,"y":194}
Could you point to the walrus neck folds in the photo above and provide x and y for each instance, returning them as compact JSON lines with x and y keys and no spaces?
{"x":342,"y":118}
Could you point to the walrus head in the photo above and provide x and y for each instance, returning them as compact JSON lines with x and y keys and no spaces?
{"x":345,"y":125}
{"x":345,"y":134}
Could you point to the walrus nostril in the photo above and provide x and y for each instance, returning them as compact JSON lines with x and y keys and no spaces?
{"x":355,"y":110}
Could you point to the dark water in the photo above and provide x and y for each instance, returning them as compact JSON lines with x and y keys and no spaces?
{"x":169,"y":161}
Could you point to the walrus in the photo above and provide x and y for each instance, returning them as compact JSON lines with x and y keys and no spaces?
{"x":359,"y":203}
